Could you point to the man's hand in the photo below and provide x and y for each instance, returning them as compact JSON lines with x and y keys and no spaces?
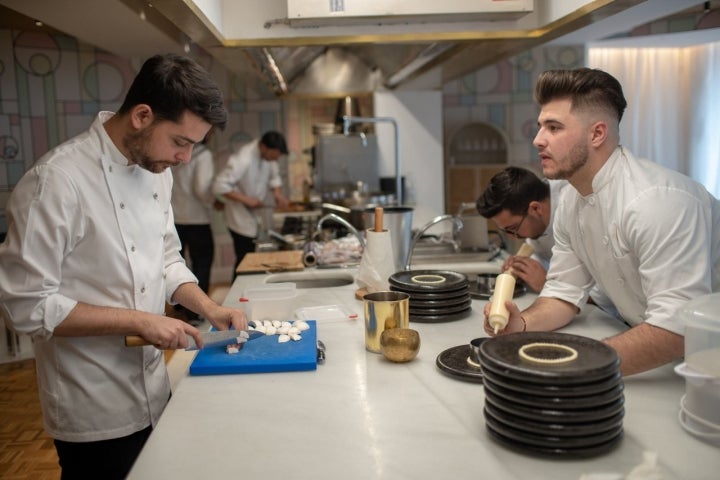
{"x":528,"y":270}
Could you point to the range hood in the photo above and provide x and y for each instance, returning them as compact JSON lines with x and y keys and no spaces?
{"x":334,"y":48}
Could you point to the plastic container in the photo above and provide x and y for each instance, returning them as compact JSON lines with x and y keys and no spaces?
{"x":702,"y":334}
{"x":700,"y":406}
{"x":273,"y":301}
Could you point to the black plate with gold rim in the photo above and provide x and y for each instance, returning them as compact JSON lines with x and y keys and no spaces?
{"x":592,"y":360}
{"x":457,"y":362}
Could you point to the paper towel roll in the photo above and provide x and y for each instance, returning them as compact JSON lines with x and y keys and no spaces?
{"x":377,"y":262}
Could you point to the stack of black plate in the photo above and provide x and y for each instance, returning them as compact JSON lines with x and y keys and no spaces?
{"x":552,"y":394}
{"x":435,"y":295}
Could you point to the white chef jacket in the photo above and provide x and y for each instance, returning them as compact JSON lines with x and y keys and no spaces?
{"x":649,"y":237}
{"x":86,"y":227}
{"x":192,"y":196}
{"x":247,"y":173}
{"x":542,"y":246}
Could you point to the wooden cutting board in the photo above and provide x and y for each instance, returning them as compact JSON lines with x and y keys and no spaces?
{"x":281,"y":261}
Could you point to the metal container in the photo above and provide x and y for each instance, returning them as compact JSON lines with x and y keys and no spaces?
{"x":383,"y":311}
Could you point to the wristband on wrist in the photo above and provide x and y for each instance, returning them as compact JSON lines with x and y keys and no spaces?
{"x":524,"y":329}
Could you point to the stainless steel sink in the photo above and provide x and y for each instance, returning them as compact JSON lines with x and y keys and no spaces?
{"x":443,"y":257}
{"x":313,"y":278}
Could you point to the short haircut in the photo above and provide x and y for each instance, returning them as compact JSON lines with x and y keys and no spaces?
{"x":512,"y":189}
{"x":585,"y":87}
{"x":274,"y":140}
{"x":172,"y":84}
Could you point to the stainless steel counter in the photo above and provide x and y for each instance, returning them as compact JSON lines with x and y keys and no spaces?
{"x":359,"y":416}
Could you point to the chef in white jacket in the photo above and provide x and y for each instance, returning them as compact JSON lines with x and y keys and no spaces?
{"x":243,"y":184}
{"x":649,"y":237}
{"x":92,"y":255}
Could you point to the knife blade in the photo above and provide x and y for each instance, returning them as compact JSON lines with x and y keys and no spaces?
{"x":210,"y":339}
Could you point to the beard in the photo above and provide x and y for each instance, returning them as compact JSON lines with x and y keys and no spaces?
{"x":568,"y":166}
{"x":136,"y":144}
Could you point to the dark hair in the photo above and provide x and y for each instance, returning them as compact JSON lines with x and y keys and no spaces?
{"x":585,"y":87}
{"x":171,"y":84}
{"x":275,"y":140}
{"x":512,"y":189}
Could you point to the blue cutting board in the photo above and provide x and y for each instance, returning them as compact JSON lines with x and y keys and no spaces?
{"x":261,"y":355}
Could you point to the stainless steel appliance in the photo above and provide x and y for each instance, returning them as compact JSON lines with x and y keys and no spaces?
{"x":341,"y":161}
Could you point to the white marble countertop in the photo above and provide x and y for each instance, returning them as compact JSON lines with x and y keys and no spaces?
{"x":359,"y":416}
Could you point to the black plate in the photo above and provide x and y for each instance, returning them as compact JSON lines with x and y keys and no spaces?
{"x":555,"y":451}
{"x":557,"y":403}
{"x":428,"y":280}
{"x":524,"y":386}
{"x":459,"y":292}
{"x":454,"y":362}
{"x":545,"y":440}
{"x":480,"y":291}
{"x":421,"y":310}
{"x":595,"y":360}
{"x":439,"y":303}
{"x":554,"y":415}
{"x":451,"y":317}
{"x":555,"y":429}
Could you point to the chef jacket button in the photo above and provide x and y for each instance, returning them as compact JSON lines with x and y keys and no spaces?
{"x":122,"y":205}
{"x":621,"y":281}
{"x":155,"y":196}
{"x":142,"y":289}
{"x":110,"y":168}
{"x":132,"y":249}
{"x":605,"y":240}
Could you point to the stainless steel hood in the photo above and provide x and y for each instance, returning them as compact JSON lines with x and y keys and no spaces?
{"x":283,"y":52}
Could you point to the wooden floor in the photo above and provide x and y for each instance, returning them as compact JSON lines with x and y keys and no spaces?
{"x":26,"y":451}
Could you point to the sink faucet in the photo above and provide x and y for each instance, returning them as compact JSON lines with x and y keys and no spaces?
{"x":457,"y":226}
{"x":343,"y":222}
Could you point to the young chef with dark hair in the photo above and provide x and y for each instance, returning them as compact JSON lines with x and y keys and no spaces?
{"x":648,"y":236}
{"x":92,"y":255}
{"x":243,"y":184}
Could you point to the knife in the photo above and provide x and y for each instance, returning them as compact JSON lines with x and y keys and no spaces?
{"x":210,"y":339}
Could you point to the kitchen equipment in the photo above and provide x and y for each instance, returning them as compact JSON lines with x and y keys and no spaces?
{"x":400,"y":345}
{"x":474,"y":234}
{"x":377,"y":262}
{"x":270,"y":301}
{"x":552,"y":394}
{"x":484,"y":286}
{"x":398,"y":221}
{"x":263,"y":355}
{"x":210,"y":339}
{"x":383,"y":311}
{"x":504,"y":288}
{"x":282,"y":261}
{"x":699,"y":411}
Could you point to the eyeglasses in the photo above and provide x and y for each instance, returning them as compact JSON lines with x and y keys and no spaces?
{"x":514,"y":230}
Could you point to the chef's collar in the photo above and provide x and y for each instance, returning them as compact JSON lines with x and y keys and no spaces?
{"x":107,"y":147}
{"x":604,"y":175}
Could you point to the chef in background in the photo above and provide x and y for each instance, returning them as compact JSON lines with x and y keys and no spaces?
{"x":523,"y":205}
{"x":92,"y":255}
{"x":243,"y":184}
{"x":193,"y":203}
{"x":648,"y":236}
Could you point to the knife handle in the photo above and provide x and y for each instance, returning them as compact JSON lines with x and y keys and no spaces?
{"x":135,"y":341}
